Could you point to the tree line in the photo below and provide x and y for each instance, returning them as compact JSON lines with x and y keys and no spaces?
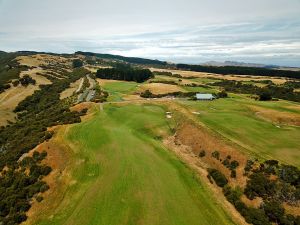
{"x":254,"y":71}
{"x":125,"y":72}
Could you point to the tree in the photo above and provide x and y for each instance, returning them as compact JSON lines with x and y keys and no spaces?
{"x":222,"y":94}
{"x":218,"y":177}
{"x":77,"y":63}
{"x":265,"y":96}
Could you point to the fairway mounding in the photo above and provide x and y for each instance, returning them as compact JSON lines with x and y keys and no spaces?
{"x":120,"y":173}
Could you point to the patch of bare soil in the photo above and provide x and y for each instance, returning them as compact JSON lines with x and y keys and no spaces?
{"x":286,"y":118}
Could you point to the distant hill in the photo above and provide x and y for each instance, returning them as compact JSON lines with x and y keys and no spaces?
{"x":125,"y":59}
{"x":234,"y":63}
{"x":243,"y":64}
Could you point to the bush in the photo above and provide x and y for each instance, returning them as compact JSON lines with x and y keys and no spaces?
{"x":233,"y":174}
{"x":273,"y":210}
{"x":233,"y":165}
{"x":202,"y":154}
{"x":222,"y":94}
{"x":265,"y":96}
{"x":77,"y":63}
{"x":216,"y":155}
{"x":146,"y":94}
{"x":218,"y":177}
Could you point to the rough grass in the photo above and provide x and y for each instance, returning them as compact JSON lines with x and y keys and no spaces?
{"x":234,"y":119}
{"x":121,"y":174}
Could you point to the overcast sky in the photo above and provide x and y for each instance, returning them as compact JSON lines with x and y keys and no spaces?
{"x":190,"y":31}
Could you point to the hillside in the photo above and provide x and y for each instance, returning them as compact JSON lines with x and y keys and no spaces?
{"x":90,"y":138}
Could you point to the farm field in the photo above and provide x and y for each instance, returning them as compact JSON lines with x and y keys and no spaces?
{"x":264,"y":129}
{"x":119,"y":173}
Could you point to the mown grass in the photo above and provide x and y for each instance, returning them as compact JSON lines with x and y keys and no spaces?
{"x":232,"y":118}
{"x":117,"y":89}
{"x":123,"y":175}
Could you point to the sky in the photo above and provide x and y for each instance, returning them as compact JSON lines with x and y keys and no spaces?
{"x":187,"y":31}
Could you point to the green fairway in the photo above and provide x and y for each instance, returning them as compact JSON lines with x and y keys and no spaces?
{"x":232,"y":118}
{"x":117,"y":89}
{"x":122,"y":174}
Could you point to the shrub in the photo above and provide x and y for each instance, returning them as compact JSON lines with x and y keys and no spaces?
{"x":77,"y":63}
{"x":233,"y":165}
{"x":218,"y":177}
{"x":202,"y":154}
{"x":273,"y":210}
{"x":146,"y":94}
{"x":216,"y":155}
{"x":222,"y":94}
{"x":265,"y":96}
{"x":233,"y":174}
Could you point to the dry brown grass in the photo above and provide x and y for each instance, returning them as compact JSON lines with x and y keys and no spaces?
{"x":11,"y":98}
{"x":159,"y":88}
{"x":58,"y":180}
{"x":294,"y":210}
{"x":70,"y":91}
{"x":94,"y":69}
{"x":105,"y":81}
{"x":218,"y":76}
{"x":275,"y":116}
{"x":42,"y":59}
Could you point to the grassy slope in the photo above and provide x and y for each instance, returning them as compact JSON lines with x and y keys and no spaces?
{"x":233,"y":119}
{"x":119,"y":88}
{"x":123,"y":175}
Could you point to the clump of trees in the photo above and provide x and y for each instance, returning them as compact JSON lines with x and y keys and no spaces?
{"x":77,"y":63}
{"x":274,"y":183}
{"x":149,"y":94}
{"x":125,"y":72}
{"x":265,"y":93}
{"x":26,"y":80}
{"x":218,"y":177}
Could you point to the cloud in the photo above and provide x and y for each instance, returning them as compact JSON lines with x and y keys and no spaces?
{"x":202,"y":30}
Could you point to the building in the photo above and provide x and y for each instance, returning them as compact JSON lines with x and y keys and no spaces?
{"x":207,"y":97}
